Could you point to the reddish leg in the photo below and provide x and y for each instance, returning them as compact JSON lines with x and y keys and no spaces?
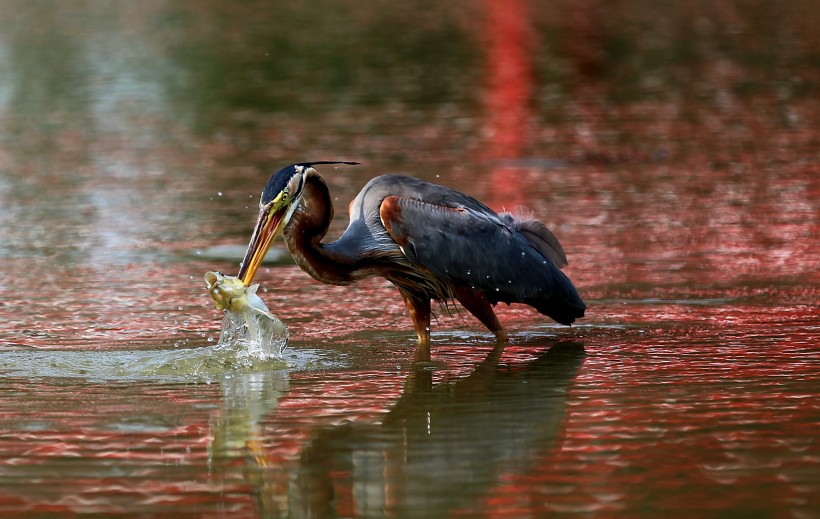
{"x":419,"y":309}
{"x":475,"y":303}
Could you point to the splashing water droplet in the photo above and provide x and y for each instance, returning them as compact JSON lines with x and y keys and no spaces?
{"x":248,"y":329}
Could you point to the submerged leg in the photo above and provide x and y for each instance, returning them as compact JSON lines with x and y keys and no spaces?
{"x":475,"y":303}
{"x":419,"y":309}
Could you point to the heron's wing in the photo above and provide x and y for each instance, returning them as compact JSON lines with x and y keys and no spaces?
{"x":416,"y":189}
{"x":480,"y":250}
{"x":539,"y":236}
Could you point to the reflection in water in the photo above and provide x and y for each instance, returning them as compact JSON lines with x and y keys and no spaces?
{"x":440,"y":448}
{"x":129,"y":446}
{"x":246,"y":399}
{"x":509,"y":74}
{"x":508,"y":102}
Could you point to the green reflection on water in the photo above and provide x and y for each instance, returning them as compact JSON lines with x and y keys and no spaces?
{"x":194,"y":364}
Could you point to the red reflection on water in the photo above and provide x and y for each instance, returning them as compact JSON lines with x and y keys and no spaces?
{"x":314,"y":417}
{"x":112,"y":448}
{"x":508,"y":46}
{"x":691,"y":220}
{"x":698,"y":399}
{"x":139,"y":305}
{"x":685,"y":413}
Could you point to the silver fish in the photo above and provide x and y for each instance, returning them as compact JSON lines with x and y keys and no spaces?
{"x":247,"y":323}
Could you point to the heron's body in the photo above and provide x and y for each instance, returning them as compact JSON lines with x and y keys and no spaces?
{"x":433,"y":243}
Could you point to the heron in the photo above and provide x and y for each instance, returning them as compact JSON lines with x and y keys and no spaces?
{"x":430,"y":241}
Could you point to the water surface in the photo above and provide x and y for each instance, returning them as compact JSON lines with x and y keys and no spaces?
{"x":672,"y":149}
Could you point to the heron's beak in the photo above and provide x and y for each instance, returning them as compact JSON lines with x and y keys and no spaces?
{"x":270,"y":223}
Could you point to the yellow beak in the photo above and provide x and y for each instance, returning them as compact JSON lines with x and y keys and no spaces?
{"x":268,"y":226}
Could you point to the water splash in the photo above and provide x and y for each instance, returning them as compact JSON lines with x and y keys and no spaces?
{"x":252,"y":340}
{"x":256,"y":333}
{"x":248,"y":326}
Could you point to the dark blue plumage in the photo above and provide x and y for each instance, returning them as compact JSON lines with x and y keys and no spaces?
{"x":460,"y":240}
{"x":279,"y":180}
{"x":432,"y":242}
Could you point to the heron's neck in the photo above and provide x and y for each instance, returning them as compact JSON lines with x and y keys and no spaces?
{"x":303,"y":235}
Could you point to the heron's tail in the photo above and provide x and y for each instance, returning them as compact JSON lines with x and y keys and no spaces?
{"x":563,"y":304}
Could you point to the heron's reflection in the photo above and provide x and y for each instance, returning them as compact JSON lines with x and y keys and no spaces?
{"x":246,"y":399}
{"x":441,"y":447}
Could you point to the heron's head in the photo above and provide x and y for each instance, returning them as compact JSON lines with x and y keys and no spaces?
{"x":276,"y":206}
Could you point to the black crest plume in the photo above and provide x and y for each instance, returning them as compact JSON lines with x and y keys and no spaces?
{"x":279,"y":180}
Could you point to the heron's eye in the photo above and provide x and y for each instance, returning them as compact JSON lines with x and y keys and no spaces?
{"x":284,"y":196}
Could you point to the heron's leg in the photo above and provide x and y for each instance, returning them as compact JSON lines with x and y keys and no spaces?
{"x":475,"y":303}
{"x":419,"y":308}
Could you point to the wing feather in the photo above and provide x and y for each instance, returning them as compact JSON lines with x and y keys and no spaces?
{"x":540,"y":237}
{"x":483,"y":251}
